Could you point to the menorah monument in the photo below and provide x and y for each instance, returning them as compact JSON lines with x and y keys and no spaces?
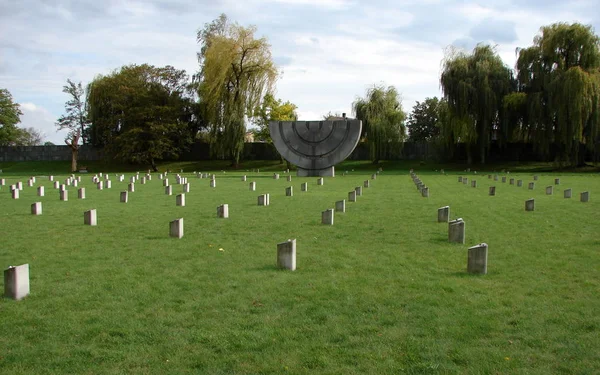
{"x":315,"y":147}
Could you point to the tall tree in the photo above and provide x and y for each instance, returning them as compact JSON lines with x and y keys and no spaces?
{"x":236,"y":71}
{"x":474,"y":86}
{"x":424,"y":122}
{"x":143,"y":113}
{"x":559,"y":87}
{"x":10,"y":116}
{"x":29,"y":137}
{"x":383,"y":120}
{"x":273,"y":109}
{"x":75,"y":120}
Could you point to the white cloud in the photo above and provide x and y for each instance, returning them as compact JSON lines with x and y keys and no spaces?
{"x":332,"y":50}
{"x":41,"y":119}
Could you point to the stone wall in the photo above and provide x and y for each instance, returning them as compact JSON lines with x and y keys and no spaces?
{"x":47,"y":153}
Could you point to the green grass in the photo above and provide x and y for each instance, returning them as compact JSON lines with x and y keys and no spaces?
{"x":380,"y":292}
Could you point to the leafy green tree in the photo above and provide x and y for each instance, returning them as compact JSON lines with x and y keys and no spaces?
{"x":28,"y":137}
{"x":48,"y":143}
{"x":273,"y":110}
{"x":383,"y":120}
{"x":10,"y":116}
{"x":425,"y":120}
{"x":143,"y":113}
{"x":75,"y":120}
{"x":236,"y":71}
{"x":559,"y":90}
{"x":474,"y":86}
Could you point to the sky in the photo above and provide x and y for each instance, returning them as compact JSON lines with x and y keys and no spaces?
{"x":329,"y":52}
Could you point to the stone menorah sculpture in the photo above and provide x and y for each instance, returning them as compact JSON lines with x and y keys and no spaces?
{"x":315,"y":146}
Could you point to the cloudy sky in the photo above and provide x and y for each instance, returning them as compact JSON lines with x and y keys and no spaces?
{"x":329,"y":51}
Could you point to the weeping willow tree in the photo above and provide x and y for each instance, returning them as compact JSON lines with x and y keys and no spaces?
{"x":237,"y":70}
{"x":383,"y":121}
{"x":559,"y":83}
{"x":474,"y":86}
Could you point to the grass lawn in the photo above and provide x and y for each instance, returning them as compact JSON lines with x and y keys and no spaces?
{"x":379,"y":292}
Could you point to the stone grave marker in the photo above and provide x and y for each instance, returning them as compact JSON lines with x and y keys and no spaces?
{"x":213,"y":183}
{"x":252,"y":186}
{"x":327,"y":217}
{"x":460,"y":178}
{"x":504,"y":179}
{"x":223,"y":211}
{"x":124,"y":196}
{"x":530,"y":204}
{"x":16,"y":282}
{"x":289,"y":178}
{"x":100,"y":185}
{"x":41,"y":191}
{"x":90,"y":217}
{"x":20,"y":185}
{"x":549,"y":190}
{"x":263,"y":200}
{"x":557,"y":181}
{"x":492,"y":190}
{"x":180,"y":200}
{"x":320,"y":181}
{"x":64,"y":195}
{"x":531,"y":185}
{"x":289,"y":191}
{"x":425,"y":192}
{"x":340,"y":206}
{"x":519,"y":183}
{"x":358,"y":190}
{"x":30,"y":183}
{"x":50,"y":178}
{"x":443,"y":214}
{"x":166,"y":182}
{"x":584,"y":196}
{"x":567,"y":193}
{"x":352,"y":196}
{"x":275,"y":176}
{"x":511,"y":181}
{"x":535,"y":178}
{"x":186,"y":187}
{"x":81,"y":193}
{"x":131,"y":187}
{"x":456,"y":231}
{"x":495,"y":177}
{"x":244,"y":178}
{"x":176,"y":228}
{"x":169,"y":190}
{"x":304,"y":186}
{"x":367,"y":184}
{"x":286,"y":255}
{"x":465,"y":180}
{"x":477,"y":259}
{"x":474,"y":183}
{"x":36,"y":208}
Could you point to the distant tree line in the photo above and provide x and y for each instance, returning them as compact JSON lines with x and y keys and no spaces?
{"x":143,"y":113}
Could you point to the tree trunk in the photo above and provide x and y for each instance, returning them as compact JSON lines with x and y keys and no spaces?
{"x":74,"y":154}
{"x":469,"y":154}
{"x":153,"y":164}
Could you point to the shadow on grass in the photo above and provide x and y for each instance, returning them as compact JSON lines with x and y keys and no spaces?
{"x":269,"y":267}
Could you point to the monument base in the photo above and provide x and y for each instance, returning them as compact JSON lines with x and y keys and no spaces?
{"x":327,"y":172}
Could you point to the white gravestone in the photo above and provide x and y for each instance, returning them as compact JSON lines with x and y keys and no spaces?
{"x":443,"y":214}
{"x":176,"y":228}
{"x":90,"y":218}
{"x":286,"y":255}
{"x":327,"y":217}
{"x":36,"y":208}
{"x":477,"y":259}
{"x":180,"y":200}
{"x":252,"y":186}
{"x":456,"y":231}
{"x":16,"y":282}
{"x":81,"y":193}
{"x":169,"y":190}
{"x":352,"y":196}
{"x":289,"y":191}
{"x":567,"y":193}
{"x":340,"y":206}
{"x":64,"y":195}
{"x":223,"y":211}
{"x":41,"y":191}
{"x":124,"y":198}
{"x":584,"y":196}
{"x":304,"y":186}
